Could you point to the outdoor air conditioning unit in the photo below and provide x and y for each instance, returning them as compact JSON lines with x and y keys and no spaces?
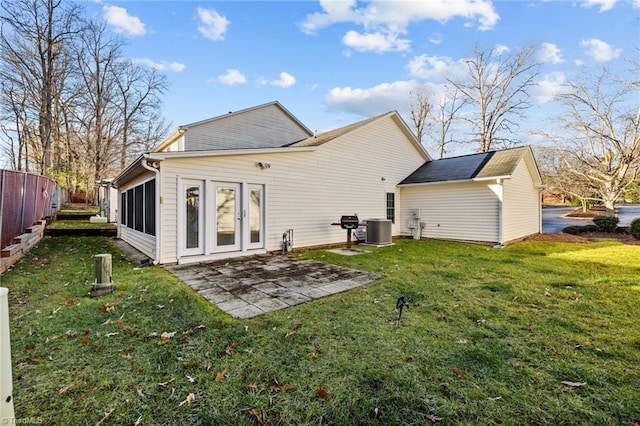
{"x":378,"y":232}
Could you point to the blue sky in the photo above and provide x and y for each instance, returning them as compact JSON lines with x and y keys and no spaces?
{"x":332,"y":63}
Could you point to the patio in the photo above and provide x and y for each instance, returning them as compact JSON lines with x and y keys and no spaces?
{"x":247,"y":287}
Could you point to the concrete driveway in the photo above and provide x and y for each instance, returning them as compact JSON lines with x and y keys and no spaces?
{"x":247,"y":287}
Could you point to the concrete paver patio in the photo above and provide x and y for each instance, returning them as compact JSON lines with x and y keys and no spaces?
{"x":250,"y":286}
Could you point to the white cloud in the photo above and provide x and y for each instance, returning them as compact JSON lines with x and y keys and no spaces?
{"x":386,"y":18}
{"x":286,"y":80}
{"x":375,"y":42}
{"x":436,"y":38}
{"x":387,"y":13}
{"x":499,"y":49}
{"x":123,"y":22}
{"x":549,"y":53}
{"x":212,"y":24}
{"x":435,"y":67}
{"x":548,"y":87}
{"x":636,"y":3}
{"x":161,"y":66}
{"x":372,"y":101}
{"x":599,"y":50}
{"x":603,"y":4}
{"x":232,"y":77}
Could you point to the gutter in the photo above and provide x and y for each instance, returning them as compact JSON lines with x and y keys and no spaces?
{"x":442,"y":182}
{"x":155,"y":168}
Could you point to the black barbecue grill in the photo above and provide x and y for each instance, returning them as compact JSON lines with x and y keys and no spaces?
{"x":349,"y":222}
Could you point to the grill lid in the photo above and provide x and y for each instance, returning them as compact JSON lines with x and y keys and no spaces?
{"x":349,"y":222}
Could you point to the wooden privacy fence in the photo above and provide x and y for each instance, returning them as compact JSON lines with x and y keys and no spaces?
{"x":26,"y":200}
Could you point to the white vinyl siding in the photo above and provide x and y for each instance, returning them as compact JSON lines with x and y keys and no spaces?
{"x":143,"y":242}
{"x":257,"y":128}
{"x":522,"y":205}
{"x":454,"y":211}
{"x":305,"y":191}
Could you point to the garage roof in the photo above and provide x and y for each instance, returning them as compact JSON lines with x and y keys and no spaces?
{"x":483,"y":165}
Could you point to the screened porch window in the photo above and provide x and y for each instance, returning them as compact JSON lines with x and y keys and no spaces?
{"x":138,"y":207}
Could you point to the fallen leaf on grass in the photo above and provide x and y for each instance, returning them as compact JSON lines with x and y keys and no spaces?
{"x":190,"y":379}
{"x":221,"y":375}
{"x":433,"y":418}
{"x":276,"y":386}
{"x":190,"y":397}
{"x":496,"y":398}
{"x":163,"y":385}
{"x":106,"y":416}
{"x":84,"y":340}
{"x":459,"y":373}
{"x":164,"y":337}
{"x":230,"y":347}
{"x":572,"y":384}
{"x":109,"y":307}
{"x":256,"y":415}
{"x":322,"y":393}
{"x":71,"y":334}
{"x":66,"y":388}
{"x":49,"y":339}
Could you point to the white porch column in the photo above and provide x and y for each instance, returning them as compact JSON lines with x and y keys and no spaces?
{"x":7,"y":415}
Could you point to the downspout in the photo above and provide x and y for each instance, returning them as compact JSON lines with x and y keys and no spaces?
{"x":500,"y":212}
{"x":156,"y":170}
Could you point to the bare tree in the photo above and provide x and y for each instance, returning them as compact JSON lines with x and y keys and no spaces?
{"x":603,"y":141}
{"x":444,"y":114}
{"x":497,"y":85}
{"x":99,"y":121}
{"x":32,"y":48}
{"x":419,"y":108}
{"x":560,"y":180}
{"x":138,"y":102}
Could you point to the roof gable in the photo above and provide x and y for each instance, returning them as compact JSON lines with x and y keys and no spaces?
{"x":331,"y":135}
{"x":264,"y":126}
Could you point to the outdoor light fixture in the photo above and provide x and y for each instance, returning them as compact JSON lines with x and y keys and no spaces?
{"x":263,"y":166}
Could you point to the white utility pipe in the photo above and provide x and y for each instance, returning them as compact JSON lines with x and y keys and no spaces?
{"x":7,"y":415}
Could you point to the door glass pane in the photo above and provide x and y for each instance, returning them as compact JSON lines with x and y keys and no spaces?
{"x":226,"y":214}
{"x":254,"y":215}
{"x":193,"y":216}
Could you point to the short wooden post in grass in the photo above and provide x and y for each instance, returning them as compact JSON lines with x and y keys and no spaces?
{"x":102,"y":282}
{"x":7,"y":415}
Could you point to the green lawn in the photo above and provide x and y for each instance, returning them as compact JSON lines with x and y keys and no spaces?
{"x":535,"y":333}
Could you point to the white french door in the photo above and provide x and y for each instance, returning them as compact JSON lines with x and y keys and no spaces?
{"x":255,"y":216}
{"x":218,"y":217}
{"x":228,"y":216}
{"x":192,"y":222}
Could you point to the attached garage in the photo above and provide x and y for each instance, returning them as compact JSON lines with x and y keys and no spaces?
{"x":491,"y":197}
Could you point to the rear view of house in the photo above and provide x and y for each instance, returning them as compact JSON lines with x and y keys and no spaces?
{"x":240,"y":183}
{"x":258,"y":180}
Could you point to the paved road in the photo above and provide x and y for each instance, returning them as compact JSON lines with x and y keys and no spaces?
{"x":553,"y":222}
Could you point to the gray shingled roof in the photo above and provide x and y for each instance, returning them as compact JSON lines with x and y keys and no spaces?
{"x":322,"y":138}
{"x":467,"y":167}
